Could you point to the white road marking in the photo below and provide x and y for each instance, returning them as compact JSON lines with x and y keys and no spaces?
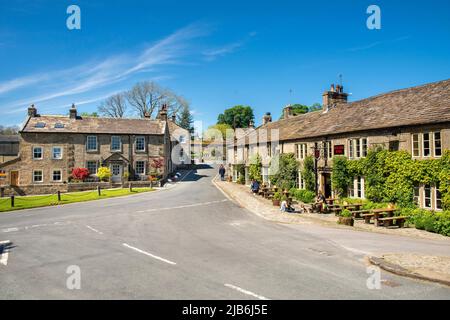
{"x":15,"y":229}
{"x":4,"y":255}
{"x":95,"y":230}
{"x":149,"y":254}
{"x":245,"y":291}
{"x":184,"y":206}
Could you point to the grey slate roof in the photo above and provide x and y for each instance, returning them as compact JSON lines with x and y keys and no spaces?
{"x":426,"y":104}
{"x":95,"y":125}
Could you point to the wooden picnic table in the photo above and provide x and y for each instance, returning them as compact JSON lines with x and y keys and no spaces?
{"x":376,"y":214}
{"x":330,"y":201}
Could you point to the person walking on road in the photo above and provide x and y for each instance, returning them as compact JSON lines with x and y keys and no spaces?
{"x":222,"y":172}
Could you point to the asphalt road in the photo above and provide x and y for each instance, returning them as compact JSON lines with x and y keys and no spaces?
{"x":191,"y":242}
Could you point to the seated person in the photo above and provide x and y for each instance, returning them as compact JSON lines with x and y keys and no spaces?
{"x":254,"y":186}
{"x":286,"y":207}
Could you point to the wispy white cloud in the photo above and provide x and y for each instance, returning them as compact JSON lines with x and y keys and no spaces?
{"x":94,"y":75}
{"x":215,"y":53}
{"x":376,"y":44}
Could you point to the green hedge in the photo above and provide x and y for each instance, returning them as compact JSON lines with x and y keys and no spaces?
{"x":437,"y":222}
{"x":304,"y":196}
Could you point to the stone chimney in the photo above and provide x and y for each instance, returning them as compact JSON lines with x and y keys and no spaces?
{"x":32,"y":111}
{"x":334,"y":97}
{"x":73,"y":112}
{"x":287,"y":112}
{"x":267,"y":118}
{"x":251,"y":124}
{"x":174,"y":118}
{"x":162,"y":114}
{"x":147,"y":115}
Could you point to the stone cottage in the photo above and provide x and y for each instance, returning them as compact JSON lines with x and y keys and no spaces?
{"x":51,"y":146}
{"x":415,"y":119}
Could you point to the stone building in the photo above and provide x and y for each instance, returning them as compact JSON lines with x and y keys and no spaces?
{"x":51,"y":146}
{"x":9,"y":147}
{"x":416,"y":119}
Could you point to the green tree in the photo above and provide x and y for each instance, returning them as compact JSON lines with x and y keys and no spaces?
{"x":340,"y":178}
{"x":237,"y":117}
{"x":255,"y":168}
{"x":308,"y":174}
{"x":286,"y":176}
{"x":87,"y":114}
{"x":185,"y":118}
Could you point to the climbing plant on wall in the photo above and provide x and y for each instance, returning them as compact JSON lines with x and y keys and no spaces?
{"x":308,"y":173}
{"x":391,"y":176}
{"x":255,"y":168}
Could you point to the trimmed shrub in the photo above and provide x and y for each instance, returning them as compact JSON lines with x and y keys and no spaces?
{"x":104,"y":174}
{"x":304,"y":196}
{"x":79,"y":174}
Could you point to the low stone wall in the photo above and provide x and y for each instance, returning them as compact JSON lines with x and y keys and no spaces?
{"x":85,"y":186}
{"x":38,"y":189}
{"x":33,"y":189}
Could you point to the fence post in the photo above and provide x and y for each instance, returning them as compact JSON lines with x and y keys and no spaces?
{"x":98,"y":190}
{"x":12,"y":201}
{"x":131,"y":187}
{"x":2,"y":192}
{"x":59,"y":196}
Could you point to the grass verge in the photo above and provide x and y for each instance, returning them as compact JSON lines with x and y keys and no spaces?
{"x":52,"y":200}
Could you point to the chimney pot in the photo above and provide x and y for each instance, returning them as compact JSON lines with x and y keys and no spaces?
{"x":32,"y":111}
{"x":174,"y":118}
{"x":73,"y":112}
{"x":267,"y":118}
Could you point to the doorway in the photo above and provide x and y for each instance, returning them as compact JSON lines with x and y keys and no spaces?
{"x":14,"y":178}
{"x":327,"y":189}
{"x":116,"y":172}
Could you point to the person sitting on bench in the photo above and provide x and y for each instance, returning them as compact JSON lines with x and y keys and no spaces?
{"x":254,"y":186}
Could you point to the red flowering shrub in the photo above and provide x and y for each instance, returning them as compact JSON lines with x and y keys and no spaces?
{"x":80,"y":174}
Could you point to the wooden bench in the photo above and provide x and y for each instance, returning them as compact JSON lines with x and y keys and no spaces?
{"x":357,"y":214}
{"x":393,"y":221}
{"x":376,"y":216}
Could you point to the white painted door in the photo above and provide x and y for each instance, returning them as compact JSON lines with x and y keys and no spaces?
{"x":116,"y":172}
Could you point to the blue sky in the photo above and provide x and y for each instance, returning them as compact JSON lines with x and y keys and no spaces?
{"x":216,"y":54}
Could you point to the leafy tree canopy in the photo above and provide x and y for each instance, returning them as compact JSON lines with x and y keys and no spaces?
{"x":237,"y":117}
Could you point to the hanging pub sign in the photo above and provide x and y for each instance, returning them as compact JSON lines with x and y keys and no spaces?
{"x":2,"y":175}
{"x":317,"y":153}
{"x":339,"y":150}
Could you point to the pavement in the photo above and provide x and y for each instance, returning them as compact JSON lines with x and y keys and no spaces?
{"x":192,"y":242}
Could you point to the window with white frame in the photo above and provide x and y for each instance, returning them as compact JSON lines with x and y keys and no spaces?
{"x":301,"y":181}
{"x":302,"y":151}
{"x":140,"y":167}
{"x":92,"y":167}
{"x":328,"y":152}
{"x":357,"y":148}
{"x":437,"y":144}
{"x":417,"y":195}
{"x":415,"y":145}
{"x":38,"y":153}
{"x":426,"y":144}
{"x":357,"y":190}
{"x":427,"y":196}
{"x":57,"y":153}
{"x":140,"y":144}
{"x":57,"y":175}
{"x":438,"y":198}
{"x":116,"y":143}
{"x":182,"y":139}
{"x":91,"y":143}
{"x":364,"y":147}
{"x":351,"y":153}
{"x":38,"y":176}
{"x":426,"y":140}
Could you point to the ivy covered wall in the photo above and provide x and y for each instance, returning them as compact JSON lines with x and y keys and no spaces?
{"x":391,"y":176}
